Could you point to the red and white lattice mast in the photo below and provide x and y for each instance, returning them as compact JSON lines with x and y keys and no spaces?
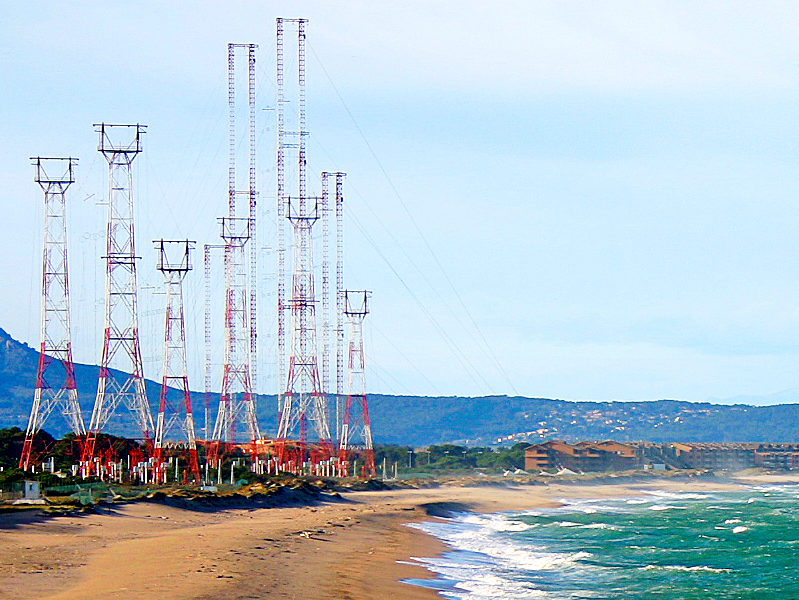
{"x":55,"y":378}
{"x":174,"y":261}
{"x":356,"y":428}
{"x":121,"y":375}
{"x":237,"y":401}
{"x":207,"y":338}
{"x":304,"y":399}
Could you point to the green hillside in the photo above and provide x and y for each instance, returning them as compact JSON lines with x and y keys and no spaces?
{"x":418,"y":420}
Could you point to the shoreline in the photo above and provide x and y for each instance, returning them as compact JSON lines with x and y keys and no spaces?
{"x":357,"y":548}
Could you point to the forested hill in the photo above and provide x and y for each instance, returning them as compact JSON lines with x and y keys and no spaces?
{"x":430,"y":420}
{"x":509,"y":419}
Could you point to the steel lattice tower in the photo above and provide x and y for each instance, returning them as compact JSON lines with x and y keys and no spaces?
{"x":207,"y":248}
{"x":250,"y":192}
{"x":356,"y":308}
{"x":238,"y":378}
{"x":338,"y":324}
{"x":237,"y":400}
{"x":55,"y":378}
{"x":325,"y":355}
{"x":304,"y":399}
{"x":280,"y":213}
{"x":121,"y":374}
{"x":339,"y":331}
{"x":174,"y":261}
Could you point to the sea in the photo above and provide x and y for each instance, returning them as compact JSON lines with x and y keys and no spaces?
{"x":738,"y":545}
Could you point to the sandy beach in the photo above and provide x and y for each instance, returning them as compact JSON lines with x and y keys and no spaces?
{"x":358,"y":548}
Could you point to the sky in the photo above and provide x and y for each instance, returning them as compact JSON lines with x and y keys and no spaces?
{"x":582,"y":200}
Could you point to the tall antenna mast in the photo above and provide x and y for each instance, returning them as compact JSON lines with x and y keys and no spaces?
{"x":207,"y":336}
{"x":250,"y":192}
{"x":208,"y":322}
{"x":238,"y":399}
{"x":281,"y":220}
{"x":55,"y":377}
{"x":338,"y":326}
{"x":356,"y":308}
{"x":174,"y":261}
{"x":304,"y":399}
{"x":121,"y":373}
{"x":252,"y":197}
{"x":325,"y":370}
{"x":339,"y":297}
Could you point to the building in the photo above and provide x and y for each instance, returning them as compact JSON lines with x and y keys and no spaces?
{"x":777,"y":456}
{"x":583,"y":456}
{"x":714,"y":456}
{"x":610,"y":455}
{"x":538,"y":458}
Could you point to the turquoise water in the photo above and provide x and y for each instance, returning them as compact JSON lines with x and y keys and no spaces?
{"x":659,"y":545}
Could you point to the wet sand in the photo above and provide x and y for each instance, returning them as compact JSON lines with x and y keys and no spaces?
{"x":357,"y":549}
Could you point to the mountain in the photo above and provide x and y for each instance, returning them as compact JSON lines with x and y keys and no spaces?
{"x":505,"y":420}
{"x":417,"y":420}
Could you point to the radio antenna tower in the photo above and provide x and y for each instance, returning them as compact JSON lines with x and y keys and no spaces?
{"x":356,"y":309}
{"x":338,"y":326}
{"x":237,"y":400}
{"x":339,"y":296}
{"x":239,"y":375}
{"x":304,"y":399}
{"x":120,"y":144}
{"x":207,"y":248}
{"x":250,"y":192}
{"x":174,"y":261}
{"x":280,"y":225}
{"x":325,"y":355}
{"x":55,"y":378}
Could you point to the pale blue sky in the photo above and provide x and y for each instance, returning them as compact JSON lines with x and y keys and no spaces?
{"x":610,"y":186}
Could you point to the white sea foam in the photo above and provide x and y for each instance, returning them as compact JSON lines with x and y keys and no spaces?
{"x":791,"y":488}
{"x":740,"y":529}
{"x":496,"y":522}
{"x":600,"y":526}
{"x":587,"y":506}
{"x":494,"y":556}
{"x":665,"y":507}
{"x":481,"y":582}
{"x":490,"y":586}
{"x":567,"y":524}
{"x":512,"y":554}
{"x":684,"y":568}
{"x":732,"y":521}
{"x":677,"y":495}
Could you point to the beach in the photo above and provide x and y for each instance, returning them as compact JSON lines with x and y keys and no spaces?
{"x":358,"y":547}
